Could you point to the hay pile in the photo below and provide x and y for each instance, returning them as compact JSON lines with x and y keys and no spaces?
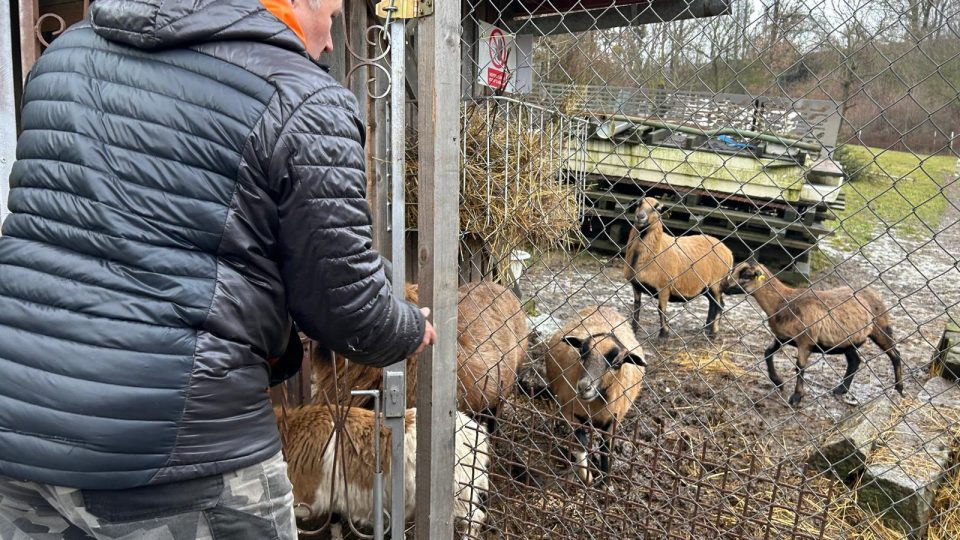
{"x":708,"y":361}
{"x":513,"y":192}
{"x":890,"y":449}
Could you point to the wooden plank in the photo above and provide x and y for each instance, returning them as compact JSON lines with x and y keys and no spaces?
{"x":470,"y":40}
{"x":378,"y":192}
{"x":355,"y":12}
{"x":8,"y":107}
{"x":720,"y":232}
{"x":765,"y":178}
{"x":29,"y":44}
{"x":337,"y":60}
{"x":705,"y":212}
{"x":438,"y":54}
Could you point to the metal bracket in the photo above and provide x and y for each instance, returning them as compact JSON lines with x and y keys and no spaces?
{"x":394,"y":397}
{"x":404,"y":9}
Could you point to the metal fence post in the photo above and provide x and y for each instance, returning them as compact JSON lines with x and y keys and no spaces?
{"x":394,"y":387}
{"x":438,"y":59}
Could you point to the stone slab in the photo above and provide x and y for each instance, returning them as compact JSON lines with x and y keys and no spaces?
{"x":845,"y":450}
{"x":908,"y":462}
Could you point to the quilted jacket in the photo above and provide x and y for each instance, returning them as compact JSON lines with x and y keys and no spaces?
{"x":187,"y":181}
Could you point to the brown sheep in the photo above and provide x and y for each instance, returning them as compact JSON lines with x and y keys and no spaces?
{"x":674,"y":269}
{"x":594,"y":368}
{"x":330,"y":462}
{"x":491,"y":344}
{"x":831,"y":321}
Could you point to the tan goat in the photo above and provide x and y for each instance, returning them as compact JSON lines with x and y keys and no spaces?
{"x":491,"y":344}
{"x":594,"y":368}
{"x":831,"y":321}
{"x":332,"y":470}
{"x":674,"y":269}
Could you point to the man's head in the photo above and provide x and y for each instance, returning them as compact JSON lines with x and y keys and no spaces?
{"x":316,"y":21}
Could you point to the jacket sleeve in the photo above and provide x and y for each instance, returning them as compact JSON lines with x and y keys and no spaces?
{"x":337,"y":291}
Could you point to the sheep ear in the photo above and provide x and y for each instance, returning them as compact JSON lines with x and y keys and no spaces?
{"x":573,"y":341}
{"x":635,"y":359}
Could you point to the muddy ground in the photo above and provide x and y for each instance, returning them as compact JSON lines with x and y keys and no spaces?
{"x":712,"y":449}
{"x":702,"y":396}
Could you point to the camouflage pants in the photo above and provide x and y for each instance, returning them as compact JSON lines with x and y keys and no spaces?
{"x":254,"y":503}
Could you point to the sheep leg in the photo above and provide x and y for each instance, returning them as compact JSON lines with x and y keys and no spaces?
{"x":713,"y":315}
{"x":605,"y":454}
{"x":853,"y":364}
{"x":664,"y":298}
{"x":491,"y":424}
{"x":768,"y":357}
{"x":635,"y":316}
{"x":489,"y":418}
{"x":803,"y":354}
{"x":883,"y":338}
{"x":336,"y":530}
{"x":580,"y":454}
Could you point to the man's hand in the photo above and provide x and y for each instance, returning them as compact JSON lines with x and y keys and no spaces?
{"x":429,"y":334}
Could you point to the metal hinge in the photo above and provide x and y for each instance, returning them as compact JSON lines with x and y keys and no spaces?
{"x":404,"y":9}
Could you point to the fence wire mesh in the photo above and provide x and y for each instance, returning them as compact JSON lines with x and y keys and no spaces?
{"x":812,"y":138}
{"x":723,"y":244}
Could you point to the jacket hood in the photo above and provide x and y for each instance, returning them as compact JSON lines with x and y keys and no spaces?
{"x":163,"y":24}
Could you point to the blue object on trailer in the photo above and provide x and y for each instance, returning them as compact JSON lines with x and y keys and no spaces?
{"x":728,"y":140}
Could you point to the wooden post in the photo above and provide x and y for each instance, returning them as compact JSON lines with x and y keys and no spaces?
{"x":8,"y":107}
{"x":337,"y":60}
{"x":438,"y":81}
{"x":378,"y":193}
{"x":29,"y":44}
{"x":356,"y":18}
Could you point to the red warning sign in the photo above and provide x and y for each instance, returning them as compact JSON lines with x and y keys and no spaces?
{"x":503,"y":59}
{"x":499,"y":53}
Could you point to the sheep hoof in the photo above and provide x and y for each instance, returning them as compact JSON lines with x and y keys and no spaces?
{"x":778,"y":382}
{"x":795,"y":399}
{"x":899,"y":388}
{"x":840,"y":390}
{"x":665,"y":334}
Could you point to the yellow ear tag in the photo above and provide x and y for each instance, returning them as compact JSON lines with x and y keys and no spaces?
{"x":761,"y":277}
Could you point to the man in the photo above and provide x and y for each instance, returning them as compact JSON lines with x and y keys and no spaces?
{"x":186,"y":178}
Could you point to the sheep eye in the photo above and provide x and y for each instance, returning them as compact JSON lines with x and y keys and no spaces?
{"x":611,"y":356}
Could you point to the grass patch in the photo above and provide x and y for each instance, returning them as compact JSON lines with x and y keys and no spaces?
{"x":885,"y":189}
{"x":819,"y":262}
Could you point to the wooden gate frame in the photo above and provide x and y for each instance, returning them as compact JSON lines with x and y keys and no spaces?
{"x":33,"y":17}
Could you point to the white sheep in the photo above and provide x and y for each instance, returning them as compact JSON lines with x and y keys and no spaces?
{"x":332,"y":470}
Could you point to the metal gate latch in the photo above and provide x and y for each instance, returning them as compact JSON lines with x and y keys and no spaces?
{"x":395,"y":400}
{"x":404,"y":9}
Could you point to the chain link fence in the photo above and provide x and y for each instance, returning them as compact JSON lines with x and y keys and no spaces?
{"x":813,"y":141}
{"x":651,"y":188}
{"x":621,"y":375}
